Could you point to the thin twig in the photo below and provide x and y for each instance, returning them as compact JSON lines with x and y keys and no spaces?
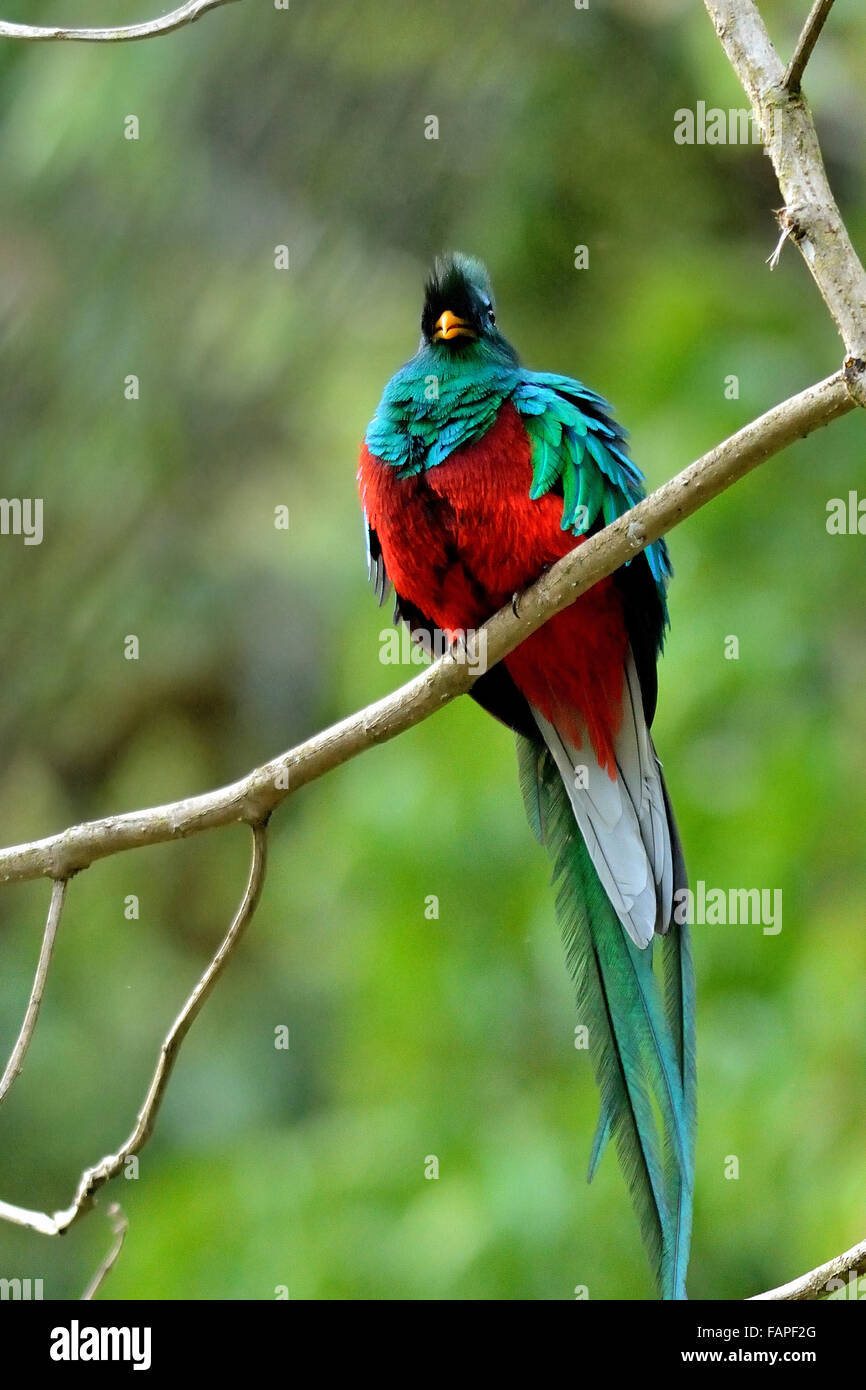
{"x":92,"y":1179}
{"x":150,"y":29}
{"x":52,"y":921}
{"x":805,"y":44}
{"x":119,"y":1226}
{"x":257,"y":794}
{"x":824,"y":1280}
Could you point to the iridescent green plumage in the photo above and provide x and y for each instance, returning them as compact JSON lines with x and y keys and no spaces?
{"x":642,"y":1045}
{"x":436,"y":405}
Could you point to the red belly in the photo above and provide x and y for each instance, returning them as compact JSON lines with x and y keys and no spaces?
{"x":460,"y":540}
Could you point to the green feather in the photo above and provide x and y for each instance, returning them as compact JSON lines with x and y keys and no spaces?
{"x":679,"y":978}
{"x":546,"y":462}
{"x":599,"y":1143}
{"x":530,"y":761}
{"x":641,"y":1053}
{"x":591,"y":491}
{"x":569,"y":497}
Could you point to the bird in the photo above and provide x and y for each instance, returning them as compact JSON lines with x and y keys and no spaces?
{"x":475,"y":476}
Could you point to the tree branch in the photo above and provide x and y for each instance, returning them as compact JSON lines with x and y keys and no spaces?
{"x":120,"y":1227}
{"x":805,"y":44}
{"x":256,"y":795}
{"x":92,"y":1179}
{"x":810,"y":210}
{"x":252,"y":799}
{"x":149,"y":29}
{"x":52,"y":921}
{"x":816,"y":1283}
{"x":811,"y":216}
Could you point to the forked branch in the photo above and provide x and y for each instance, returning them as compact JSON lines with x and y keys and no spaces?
{"x":812,"y":218}
{"x":810,"y":211}
{"x":92,"y":1179}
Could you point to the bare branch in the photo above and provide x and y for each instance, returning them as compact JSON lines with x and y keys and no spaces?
{"x":824,"y":1280}
{"x":256,"y":795}
{"x":92,"y":1179}
{"x":150,"y":29}
{"x":119,"y":1226}
{"x":52,"y":921}
{"x":813,"y":219}
{"x":805,"y":44}
{"x":789,"y":135}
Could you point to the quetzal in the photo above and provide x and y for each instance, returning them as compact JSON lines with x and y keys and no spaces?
{"x":475,"y":475}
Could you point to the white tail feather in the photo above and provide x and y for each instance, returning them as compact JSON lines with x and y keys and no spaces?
{"x":623,"y":821}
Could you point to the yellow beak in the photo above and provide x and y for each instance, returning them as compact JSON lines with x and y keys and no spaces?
{"x":448,"y":325}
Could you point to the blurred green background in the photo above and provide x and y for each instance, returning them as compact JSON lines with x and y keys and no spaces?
{"x":409,"y":1037}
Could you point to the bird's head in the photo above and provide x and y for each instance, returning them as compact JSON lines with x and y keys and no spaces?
{"x":458,"y":307}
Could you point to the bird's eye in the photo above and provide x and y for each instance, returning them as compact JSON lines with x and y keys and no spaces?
{"x":491,"y":317}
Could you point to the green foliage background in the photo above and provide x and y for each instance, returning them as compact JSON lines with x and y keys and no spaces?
{"x":409,"y":1037}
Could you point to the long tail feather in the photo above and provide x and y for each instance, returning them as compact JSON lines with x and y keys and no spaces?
{"x":599,"y":1142}
{"x":679,"y":989}
{"x":641,"y":1043}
